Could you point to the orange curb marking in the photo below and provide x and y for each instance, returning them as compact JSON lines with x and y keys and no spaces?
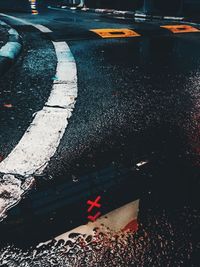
{"x":180,"y":28}
{"x":115,"y":33}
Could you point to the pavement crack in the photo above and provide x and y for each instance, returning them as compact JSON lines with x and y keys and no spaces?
{"x":55,"y":106}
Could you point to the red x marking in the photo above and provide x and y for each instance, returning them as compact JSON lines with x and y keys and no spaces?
{"x":94,"y":203}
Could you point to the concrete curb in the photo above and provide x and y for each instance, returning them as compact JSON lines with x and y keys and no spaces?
{"x":131,"y":14}
{"x":121,"y":220}
{"x":120,"y":13}
{"x":11,"y":50}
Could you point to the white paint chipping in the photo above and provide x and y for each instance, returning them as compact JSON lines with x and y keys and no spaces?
{"x":38,"y":144}
{"x":12,"y":186}
{"x":40,"y":141}
{"x":68,"y":99}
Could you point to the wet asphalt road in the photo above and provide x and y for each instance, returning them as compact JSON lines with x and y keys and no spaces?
{"x":140,"y":93}
{"x":138,"y":99}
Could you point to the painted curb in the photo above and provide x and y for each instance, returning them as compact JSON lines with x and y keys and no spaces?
{"x":121,"y":13}
{"x":121,"y":220}
{"x":130,"y":14}
{"x":11,"y":50}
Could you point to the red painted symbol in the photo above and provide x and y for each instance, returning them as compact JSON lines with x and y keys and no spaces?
{"x":93,"y":218}
{"x":94,"y":204}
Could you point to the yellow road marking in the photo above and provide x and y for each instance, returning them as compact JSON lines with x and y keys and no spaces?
{"x":180,"y":28}
{"x":115,"y":33}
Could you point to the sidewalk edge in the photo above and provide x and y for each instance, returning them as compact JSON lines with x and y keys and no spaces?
{"x":11,"y":50}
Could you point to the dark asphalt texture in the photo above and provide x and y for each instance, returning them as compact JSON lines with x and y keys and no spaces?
{"x":138,"y":99}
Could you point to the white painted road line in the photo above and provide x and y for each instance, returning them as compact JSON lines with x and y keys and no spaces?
{"x":22,"y":21}
{"x":68,"y":99}
{"x":41,"y":139}
{"x":42,"y":28}
{"x":39,"y":143}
